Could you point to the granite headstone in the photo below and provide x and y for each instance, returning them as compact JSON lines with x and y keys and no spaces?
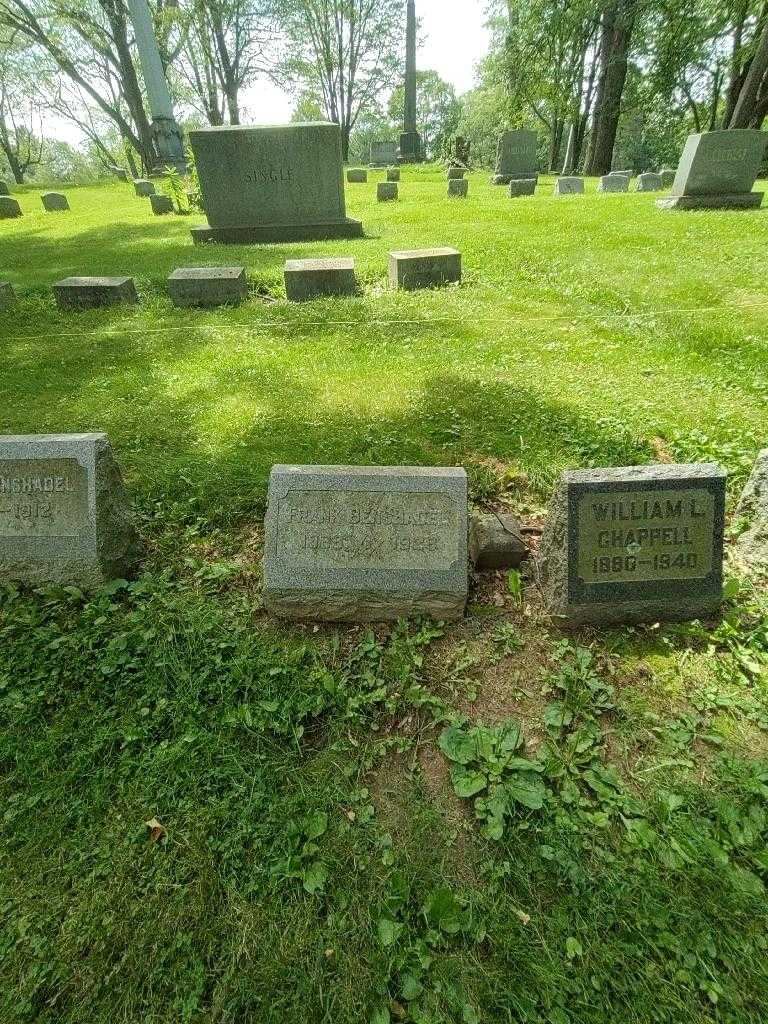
{"x":718,"y":170}
{"x":383,"y":154}
{"x":517,"y":156}
{"x":54,"y":202}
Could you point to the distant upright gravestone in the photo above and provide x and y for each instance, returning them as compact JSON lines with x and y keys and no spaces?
{"x":569,"y":187}
{"x":613,"y":183}
{"x":649,"y":182}
{"x":54,"y":202}
{"x":9,"y":208}
{"x":383,"y":154}
{"x":64,"y":514}
{"x":272,"y":184}
{"x":636,"y":544}
{"x":363,"y":543}
{"x":718,"y":170}
{"x":517,"y":156}
{"x":4,"y":190}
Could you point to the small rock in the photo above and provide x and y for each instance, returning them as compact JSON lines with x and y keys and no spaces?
{"x":496,"y":542}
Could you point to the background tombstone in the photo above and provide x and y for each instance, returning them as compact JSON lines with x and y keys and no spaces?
{"x":569,"y":187}
{"x":7,"y":296}
{"x":272,"y":184}
{"x":383,"y":154}
{"x":393,"y":174}
{"x":522,"y":187}
{"x":636,"y":544}
{"x":357,"y":176}
{"x":359,"y":543}
{"x":95,"y":292}
{"x":751,"y":547}
{"x":718,"y":170}
{"x":4,"y":190}
{"x":648,"y":182}
{"x":161,"y":205}
{"x":458,"y":187}
{"x":613,"y":183}
{"x":456,"y":172}
{"x":626,"y":174}
{"x":517,"y":156}
{"x":387,"y":191}
{"x":9,"y":208}
{"x":208,"y":286}
{"x":64,"y":514}
{"x":54,"y":202}
{"x":667,"y":177}
{"x":143,"y":188}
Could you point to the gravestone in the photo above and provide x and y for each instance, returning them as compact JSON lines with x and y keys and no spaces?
{"x":424,"y":268}
{"x":648,"y":182}
{"x":143,"y":188}
{"x":626,"y":174}
{"x":522,"y":187}
{"x":4,"y":190}
{"x":496,"y":542}
{"x":357,"y":176}
{"x":751,"y":548}
{"x":54,"y":201}
{"x":208,"y":286}
{"x":312,"y":279}
{"x":393,"y":174}
{"x":667,"y":177}
{"x":9,"y":208}
{"x":458,"y":187}
{"x":64,"y":515}
{"x":279,"y":183}
{"x":120,"y":173}
{"x":455,"y":172}
{"x":7,"y":296}
{"x":161,"y":205}
{"x":462,"y":152}
{"x":517,"y":156}
{"x":360,"y":543}
{"x":383,"y":154}
{"x":636,"y":544}
{"x":569,"y":187}
{"x":613,"y":183}
{"x":387,"y":191}
{"x":718,"y":170}
{"x":94,"y":292}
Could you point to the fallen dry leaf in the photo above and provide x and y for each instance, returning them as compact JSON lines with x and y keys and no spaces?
{"x":157,"y":830}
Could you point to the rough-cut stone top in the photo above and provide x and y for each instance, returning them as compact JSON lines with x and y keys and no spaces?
{"x":206,"y":273}
{"x":337,"y":263}
{"x":720,"y":163}
{"x":417,"y":254}
{"x":92,"y":282}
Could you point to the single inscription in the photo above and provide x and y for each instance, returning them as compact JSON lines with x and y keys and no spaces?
{"x":368,"y":529}
{"x":636,"y":536}
{"x":43,"y":498}
{"x":268,"y":175}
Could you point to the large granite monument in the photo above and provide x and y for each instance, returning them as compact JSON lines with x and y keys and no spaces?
{"x":717,"y":171}
{"x":411,"y":150}
{"x":636,"y":544}
{"x":517,"y":156}
{"x":360,"y":543}
{"x":272,"y":184}
{"x":64,"y":514}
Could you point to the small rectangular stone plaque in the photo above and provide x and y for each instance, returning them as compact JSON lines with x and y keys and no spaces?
{"x":354,"y":543}
{"x":635,"y":544}
{"x":43,"y":498}
{"x":424,"y":268}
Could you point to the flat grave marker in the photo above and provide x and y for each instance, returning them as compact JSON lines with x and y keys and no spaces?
{"x":366,"y":543}
{"x":54,"y":202}
{"x":613,"y":183}
{"x":458,"y":187}
{"x":387,"y":191}
{"x":161,"y":205}
{"x":318,"y":278}
{"x":522,"y":187}
{"x":569,"y":187}
{"x":393,"y":174}
{"x":424,"y":268}
{"x":94,"y":292}
{"x":649,"y":182}
{"x":357,"y":176}
{"x":9,"y":208}
{"x":207,"y":287}
{"x":636,"y":544}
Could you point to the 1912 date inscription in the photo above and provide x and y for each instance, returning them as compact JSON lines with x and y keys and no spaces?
{"x":368,"y":529}
{"x":636,"y":536}
{"x":43,"y":498}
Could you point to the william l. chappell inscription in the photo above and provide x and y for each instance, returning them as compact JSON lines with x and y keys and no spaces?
{"x":635,"y":544}
{"x":351,"y":543}
{"x":64,"y":515}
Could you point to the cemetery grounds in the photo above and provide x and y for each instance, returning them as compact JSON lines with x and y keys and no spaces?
{"x":323,"y":842}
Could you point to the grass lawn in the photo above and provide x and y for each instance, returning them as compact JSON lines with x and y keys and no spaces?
{"x":486,"y":822}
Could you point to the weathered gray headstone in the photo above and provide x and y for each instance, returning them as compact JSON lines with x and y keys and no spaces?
{"x":161,"y":205}
{"x":387,"y":191}
{"x":4,"y":190}
{"x":648,"y":182}
{"x":121,"y":173}
{"x":359,"y":543}
{"x":9,"y":207}
{"x":626,"y":174}
{"x":7,"y":295}
{"x":613,"y":183}
{"x":54,"y":201}
{"x":393,"y":174}
{"x":517,"y":156}
{"x":383,"y":153}
{"x":143,"y":188}
{"x":751,"y":548}
{"x":312,"y":279}
{"x":94,"y":292}
{"x":569,"y":187}
{"x":458,"y":187}
{"x":496,"y":542}
{"x":718,"y":170}
{"x":208,"y":286}
{"x":357,"y":176}
{"x":455,"y":172}
{"x":635,"y":544}
{"x":424,"y":268}
{"x":64,"y":515}
{"x":278,"y":183}
{"x":522,"y":187}
{"x":667,"y":177}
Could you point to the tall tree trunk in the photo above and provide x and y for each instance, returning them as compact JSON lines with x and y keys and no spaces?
{"x":746,"y":105}
{"x":737,"y":72}
{"x":555,"y":142}
{"x":616,"y":37}
{"x":10,"y":153}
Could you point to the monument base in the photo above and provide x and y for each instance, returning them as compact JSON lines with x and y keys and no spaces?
{"x":744,"y":201}
{"x":411,"y":151}
{"x":265,"y":233}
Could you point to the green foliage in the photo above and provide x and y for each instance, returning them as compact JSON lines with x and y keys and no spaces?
{"x":175,"y":187}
